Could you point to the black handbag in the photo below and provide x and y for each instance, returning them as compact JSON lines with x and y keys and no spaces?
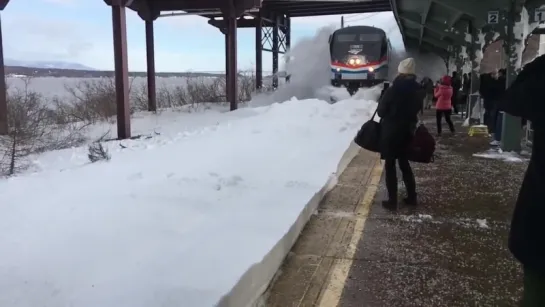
{"x":368,"y":137}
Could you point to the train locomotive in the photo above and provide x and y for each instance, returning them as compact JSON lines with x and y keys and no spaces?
{"x":360,"y":56}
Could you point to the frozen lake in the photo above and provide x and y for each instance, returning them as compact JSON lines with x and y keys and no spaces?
{"x":56,"y":87}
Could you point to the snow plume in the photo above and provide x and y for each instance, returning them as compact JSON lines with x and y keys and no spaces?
{"x":427,"y":64}
{"x":309,"y":69}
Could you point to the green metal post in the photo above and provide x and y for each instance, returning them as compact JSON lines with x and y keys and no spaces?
{"x":511,"y":126}
{"x":474,"y":46}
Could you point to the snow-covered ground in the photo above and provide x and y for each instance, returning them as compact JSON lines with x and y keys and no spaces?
{"x":163,"y":127}
{"x":174,"y":220}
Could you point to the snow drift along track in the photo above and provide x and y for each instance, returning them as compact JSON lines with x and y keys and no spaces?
{"x":247,"y":292}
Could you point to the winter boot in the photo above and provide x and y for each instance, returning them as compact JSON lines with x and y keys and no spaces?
{"x":410,"y":200}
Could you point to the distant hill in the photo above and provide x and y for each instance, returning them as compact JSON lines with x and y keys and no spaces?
{"x":15,"y":71}
{"x":16,"y":68}
{"x":46,"y":64}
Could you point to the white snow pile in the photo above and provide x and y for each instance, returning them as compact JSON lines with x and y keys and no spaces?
{"x":418,"y":218}
{"x":498,"y":154}
{"x":173,"y":220}
{"x":483,"y":223}
{"x":464,"y":222}
{"x":165,"y":127}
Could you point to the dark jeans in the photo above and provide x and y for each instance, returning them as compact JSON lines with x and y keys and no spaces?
{"x":534,"y":289}
{"x":489,"y":120}
{"x":498,"y":126}
{"x":439,"y":115}
{"x":391,"y":178}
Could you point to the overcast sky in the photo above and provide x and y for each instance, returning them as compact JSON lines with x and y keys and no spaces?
{"x":80,"y":31}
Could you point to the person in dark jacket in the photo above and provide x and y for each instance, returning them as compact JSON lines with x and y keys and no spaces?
{"x":466,"y":84}
{"x":525,"y":99}
{"x":466,"y":88}
{"x":456,"y":86}
{"x":428,"y":87}
{"x":485,"y":88}
{"x":499,"y":90}
{"x":398,"y":110}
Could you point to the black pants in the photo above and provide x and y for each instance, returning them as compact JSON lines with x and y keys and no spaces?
{"x":439,"y":115}
{"x":534,"y":289}
{"x":391,"y":178}
{"x":488,"y":120}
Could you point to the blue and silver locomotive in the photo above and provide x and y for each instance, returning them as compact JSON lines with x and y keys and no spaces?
{"x":359,"y":57}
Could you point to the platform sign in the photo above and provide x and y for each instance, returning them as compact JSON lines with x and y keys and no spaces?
{"x":493,"y":17}
{"x":539,"y":15}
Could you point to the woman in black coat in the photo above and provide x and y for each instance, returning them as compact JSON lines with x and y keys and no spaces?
{"x":525,"y":98}
{"x":398,"y":109}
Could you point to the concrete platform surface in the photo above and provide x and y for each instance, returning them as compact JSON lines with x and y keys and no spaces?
{"x":451,"y":250}
{"x":330,"y":235}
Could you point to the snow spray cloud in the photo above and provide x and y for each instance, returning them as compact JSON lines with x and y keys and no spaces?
{"x":309,"y":69}
{"x":427,"y":64}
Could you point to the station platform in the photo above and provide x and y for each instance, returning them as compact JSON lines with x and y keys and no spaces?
{"x":451,"y":250}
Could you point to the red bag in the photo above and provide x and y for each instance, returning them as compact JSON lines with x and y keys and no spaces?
{"x":422,"y":147}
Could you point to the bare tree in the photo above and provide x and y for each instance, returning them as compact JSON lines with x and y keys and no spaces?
{"x":97,"y":152}
{"x":92,"y":101}
{"x":33,"y":128}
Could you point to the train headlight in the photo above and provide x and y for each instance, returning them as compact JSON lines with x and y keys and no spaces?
{"x":338,"y":69}
{"x":358,"y":61}
{"x":351,"y":61}
{"x":371,"y":69}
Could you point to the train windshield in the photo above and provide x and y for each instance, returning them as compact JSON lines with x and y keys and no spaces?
{"x":366,"y":37}
{"x":366,"y":44}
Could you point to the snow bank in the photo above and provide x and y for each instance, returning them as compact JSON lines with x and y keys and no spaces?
{"x":165,"y":127}
{"x":174,"y":220}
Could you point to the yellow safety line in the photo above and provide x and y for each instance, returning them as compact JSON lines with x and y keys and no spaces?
{"x":332,"y":293}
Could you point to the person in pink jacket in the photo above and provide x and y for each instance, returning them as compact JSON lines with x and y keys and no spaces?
{"x":443,"y":92}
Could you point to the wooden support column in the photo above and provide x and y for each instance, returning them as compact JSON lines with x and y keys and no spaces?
{"x":259,"y":53}
{"x":149,"y":15}
{"x":150,"y":61}
{"x":230,"y":14}
{"x":4,"y":126}
{"x":275,"y":49}
{"x":232,"y":62}
{"x":119,"y":24}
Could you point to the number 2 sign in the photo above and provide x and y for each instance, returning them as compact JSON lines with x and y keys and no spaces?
{"x":493,"y":17}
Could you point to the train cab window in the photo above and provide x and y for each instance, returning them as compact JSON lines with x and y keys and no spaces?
{"x":384,"y":48}
{"x":370,"y":37}
{"x":342,"y":38}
